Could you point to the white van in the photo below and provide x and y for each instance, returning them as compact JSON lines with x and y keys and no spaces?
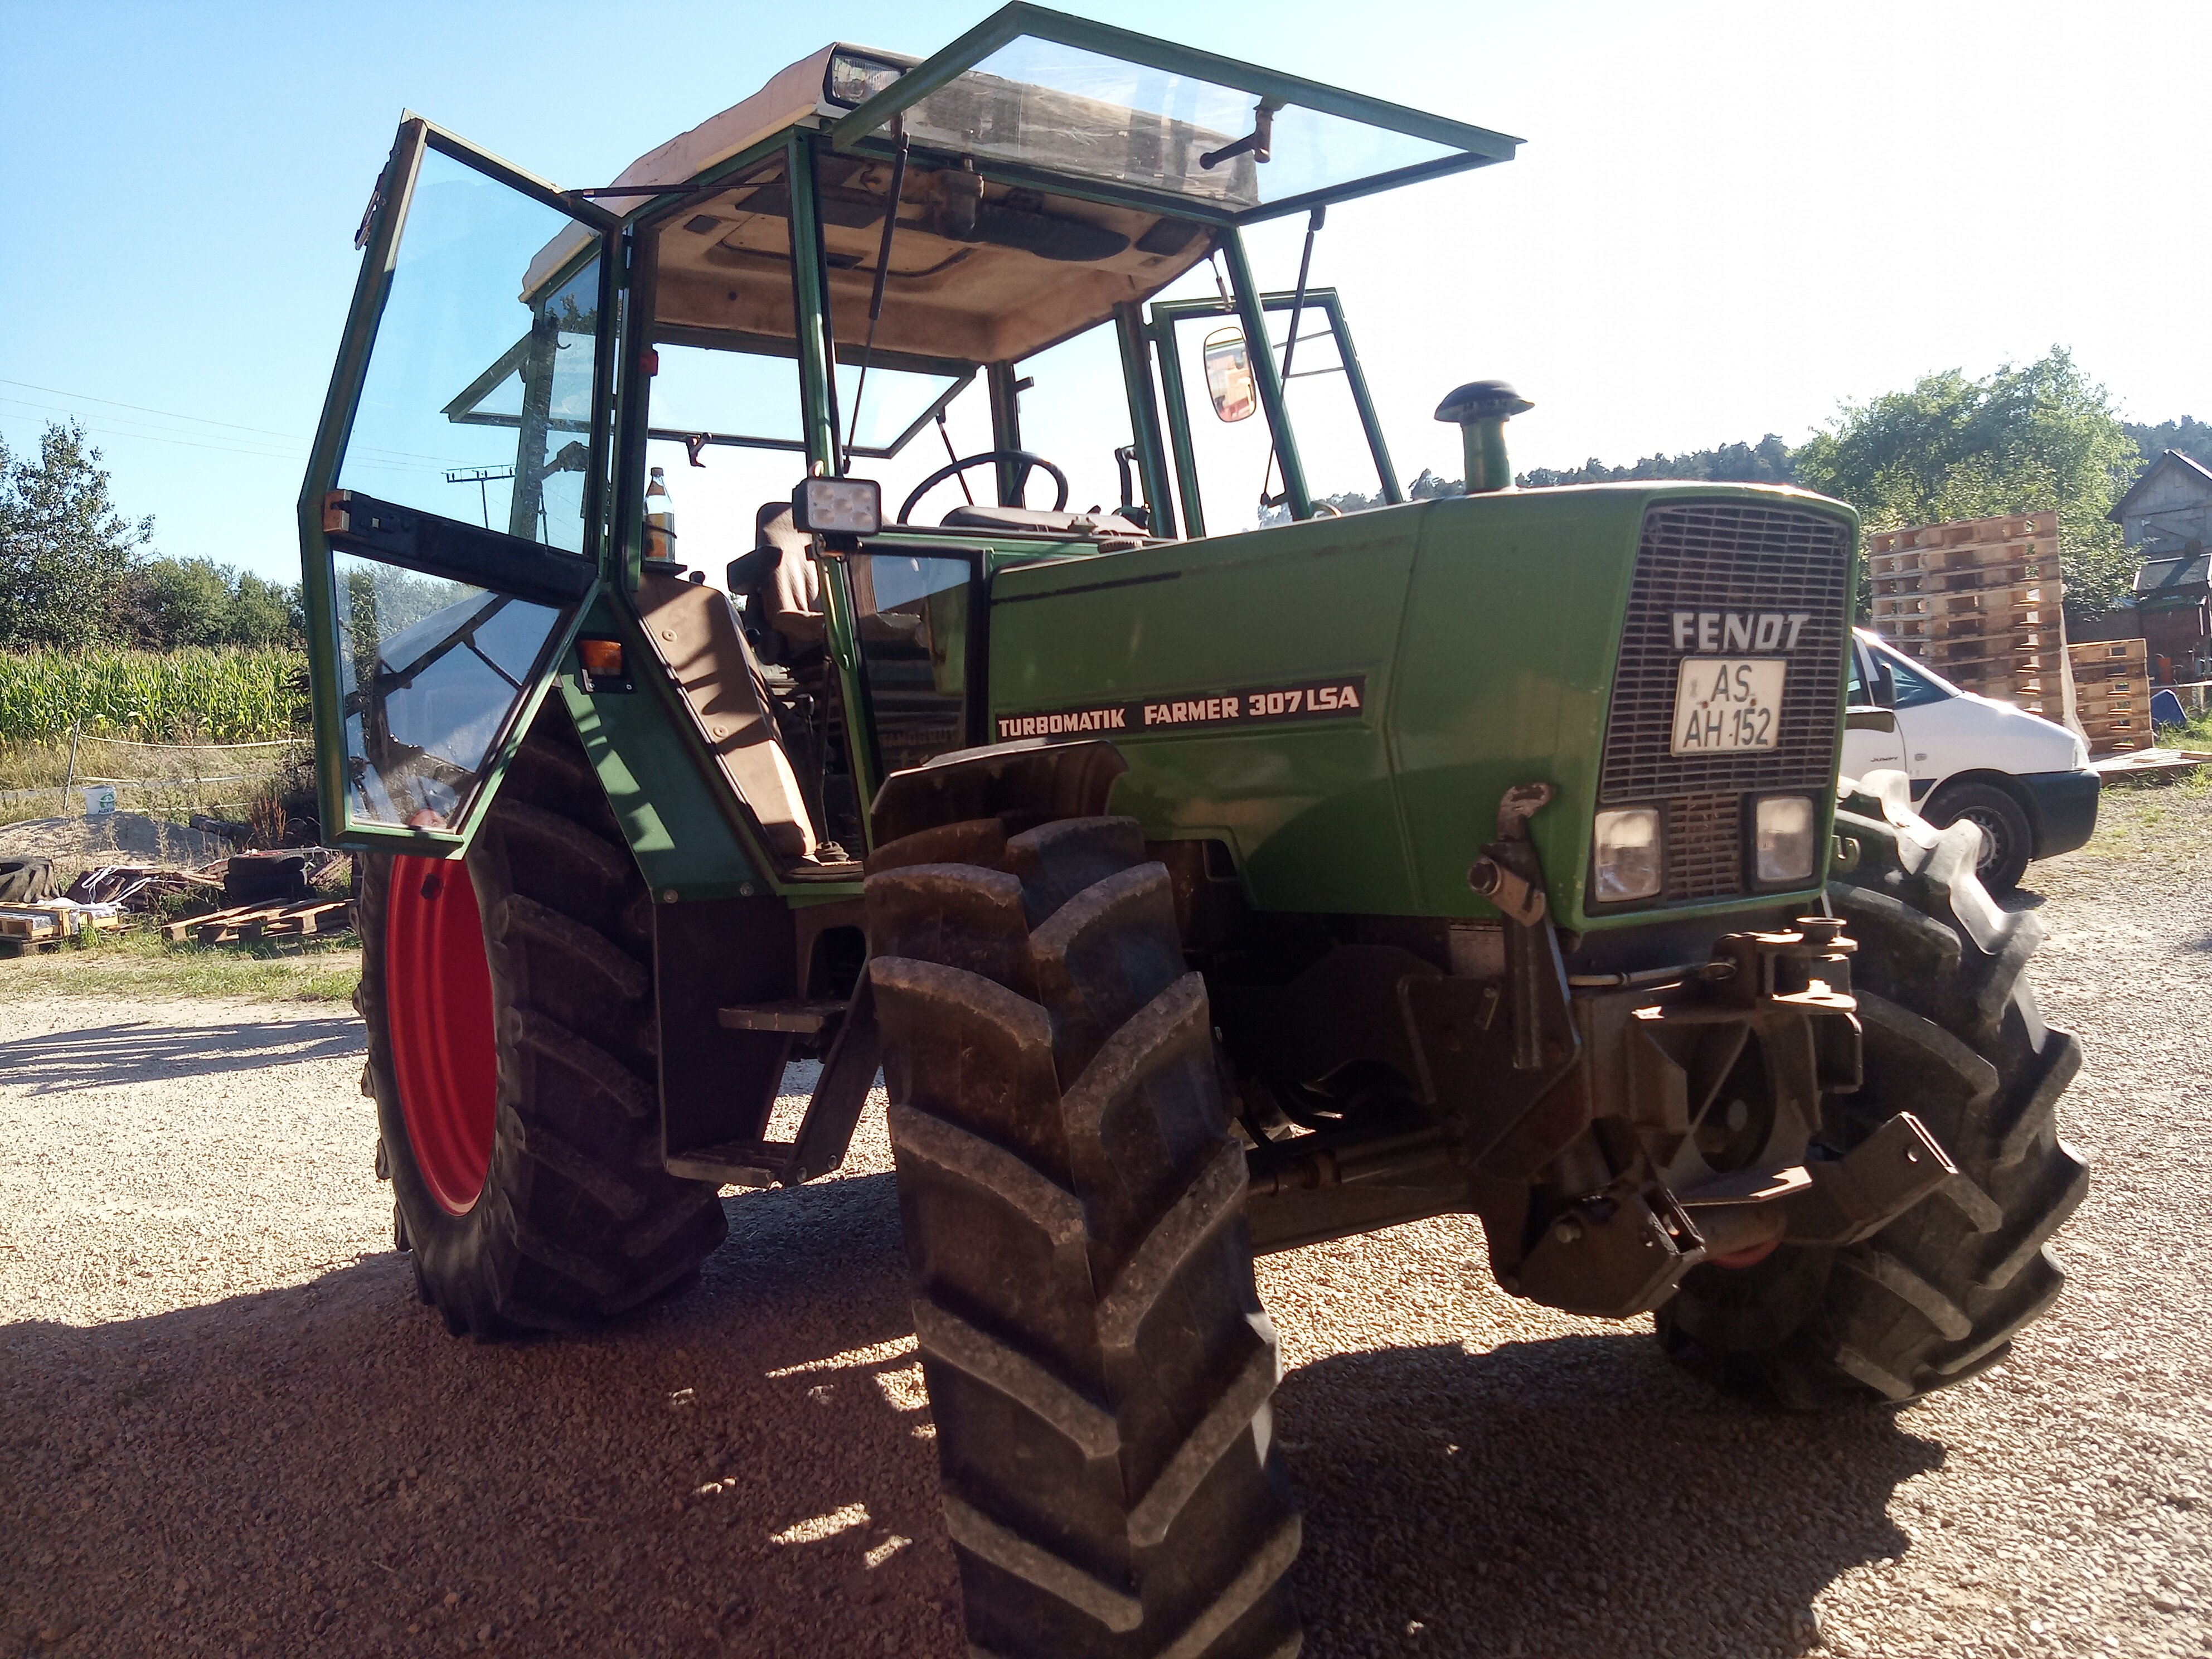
{"x":2024,"y":780}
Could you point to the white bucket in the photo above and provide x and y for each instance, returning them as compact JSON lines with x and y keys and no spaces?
{"x":98,"y":800}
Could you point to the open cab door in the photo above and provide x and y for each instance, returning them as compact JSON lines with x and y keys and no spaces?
{"x":453,"y":511}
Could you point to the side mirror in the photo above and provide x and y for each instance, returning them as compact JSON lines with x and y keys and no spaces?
{"x":1885,"y":685}
{"x":1228,"y":375}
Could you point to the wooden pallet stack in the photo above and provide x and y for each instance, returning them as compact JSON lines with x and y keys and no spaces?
{"x":1979,"y":602}
{"x":2112,"y":695}
{"x":244,"y":923}
{"x":42,"y":924}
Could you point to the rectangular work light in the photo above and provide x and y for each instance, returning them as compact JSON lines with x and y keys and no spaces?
{"x":838,"y":507}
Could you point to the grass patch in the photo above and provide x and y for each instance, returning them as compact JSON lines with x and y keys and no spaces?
{"x":2157,"y":823}
{"x":139,"y":963}
{"x":260,"y":786}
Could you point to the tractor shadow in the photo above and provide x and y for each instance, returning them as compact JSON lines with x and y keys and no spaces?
{"x":745,"y":1468}
{"x":140,"y":1051}
{"x":1577,"y":1497}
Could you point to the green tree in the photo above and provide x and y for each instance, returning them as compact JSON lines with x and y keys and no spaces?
{"x":266,"y":613}
{"x":2192,"y":437}
{"x":2019,"y":440}
{"x":1767,"y":461}
{"x":167,"y":603}
{"x":64,"y":550}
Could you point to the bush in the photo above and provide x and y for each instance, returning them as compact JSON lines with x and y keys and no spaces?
{"x":202,"y":695}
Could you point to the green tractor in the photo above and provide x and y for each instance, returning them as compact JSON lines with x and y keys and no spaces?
{"x":1206,"y":869}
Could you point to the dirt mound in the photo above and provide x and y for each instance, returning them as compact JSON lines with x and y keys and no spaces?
{"x":111,"y":838}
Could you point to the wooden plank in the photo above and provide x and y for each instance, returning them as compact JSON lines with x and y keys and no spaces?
{"x":37,"y":920}
{"x":243,"y":924}
{"x":2014,"y":526}
{"x":218,"y":920}
{"x":2110,"y":651}
{"x":1968,"y":579}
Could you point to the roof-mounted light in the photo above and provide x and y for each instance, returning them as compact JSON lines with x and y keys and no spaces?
{"x":853,"y":78}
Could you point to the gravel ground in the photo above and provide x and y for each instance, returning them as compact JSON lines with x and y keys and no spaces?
{"x":226,"y":1427}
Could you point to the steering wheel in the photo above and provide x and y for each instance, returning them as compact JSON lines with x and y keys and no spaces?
{"x":951,"y":469}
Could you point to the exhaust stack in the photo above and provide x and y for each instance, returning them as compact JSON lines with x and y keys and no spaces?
{"x":1480,"y":410}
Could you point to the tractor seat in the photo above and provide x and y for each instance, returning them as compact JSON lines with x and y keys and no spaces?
{"x":790,"y":587}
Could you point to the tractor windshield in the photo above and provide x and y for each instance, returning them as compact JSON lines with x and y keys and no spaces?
{"x":1040,"y":104}
{"x":1054,"y":96}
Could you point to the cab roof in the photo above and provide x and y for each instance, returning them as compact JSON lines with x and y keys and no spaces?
{"x":1106,"y":157}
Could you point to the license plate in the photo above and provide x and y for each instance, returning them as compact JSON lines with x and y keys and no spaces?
{"x":1727,"y":704}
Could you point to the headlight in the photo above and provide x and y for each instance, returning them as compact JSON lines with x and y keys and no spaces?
{"x":1785,"y":838}
{"x":1627,"y":855}
{"x":852,"y":80}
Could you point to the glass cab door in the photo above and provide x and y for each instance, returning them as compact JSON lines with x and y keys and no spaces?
{"x":453,"y":510}
{"x":1229,"y":476}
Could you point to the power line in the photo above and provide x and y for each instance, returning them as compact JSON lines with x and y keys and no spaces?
{"x":124,"y":426}
{"x":86,"y":396}
{"x":187,"y":443}
{"x":367,"y":456}
{"x":198,"y":420}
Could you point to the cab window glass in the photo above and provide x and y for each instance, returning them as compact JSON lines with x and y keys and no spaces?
{"x":476,"y":404}
{"x":430,"y":671}
{"x":1240,"y":487}
{"x":913,"y":615}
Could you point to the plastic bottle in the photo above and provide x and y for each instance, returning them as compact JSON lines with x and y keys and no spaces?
{"x":659,"y":519}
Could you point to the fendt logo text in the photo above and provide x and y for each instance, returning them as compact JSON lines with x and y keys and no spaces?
{"x":1738,"y":630}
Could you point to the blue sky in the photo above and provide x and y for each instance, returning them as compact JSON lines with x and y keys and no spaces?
{"x":1728,"y":218}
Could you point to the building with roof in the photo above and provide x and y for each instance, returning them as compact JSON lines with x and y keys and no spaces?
{"x":2166,"y":516}
{"x":2167,"y":511}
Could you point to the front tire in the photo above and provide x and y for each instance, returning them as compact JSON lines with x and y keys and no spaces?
{"x":1097,"y":1361}
{"x":509,"y":1002}
{"x":1951,"y":1033}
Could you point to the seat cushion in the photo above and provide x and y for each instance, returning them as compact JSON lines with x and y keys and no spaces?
{"x":791,"y":598}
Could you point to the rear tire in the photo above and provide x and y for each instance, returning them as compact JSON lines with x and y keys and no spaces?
{"x":1951,"y":1033}
{"x":1098,"y":1360}
{"x":535,"y":1199}
{"x":2008,"y":840}
{"x":23,"y":881}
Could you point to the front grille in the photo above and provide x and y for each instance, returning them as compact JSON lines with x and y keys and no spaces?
{"x":1731,"y":557}
{"x":1705,"y":847}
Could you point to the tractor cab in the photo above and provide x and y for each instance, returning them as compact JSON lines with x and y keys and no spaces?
{"x":945,"y":282}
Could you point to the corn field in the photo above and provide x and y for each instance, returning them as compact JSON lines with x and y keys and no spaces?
{"x":201,"y":694}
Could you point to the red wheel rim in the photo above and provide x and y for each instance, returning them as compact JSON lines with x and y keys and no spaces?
{"x":437,"y":999}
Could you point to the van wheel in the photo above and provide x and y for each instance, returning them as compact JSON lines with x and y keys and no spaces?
{"x":2007,"y":840}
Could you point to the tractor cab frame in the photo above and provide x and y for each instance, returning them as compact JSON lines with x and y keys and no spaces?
{"x":510,"y":349}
